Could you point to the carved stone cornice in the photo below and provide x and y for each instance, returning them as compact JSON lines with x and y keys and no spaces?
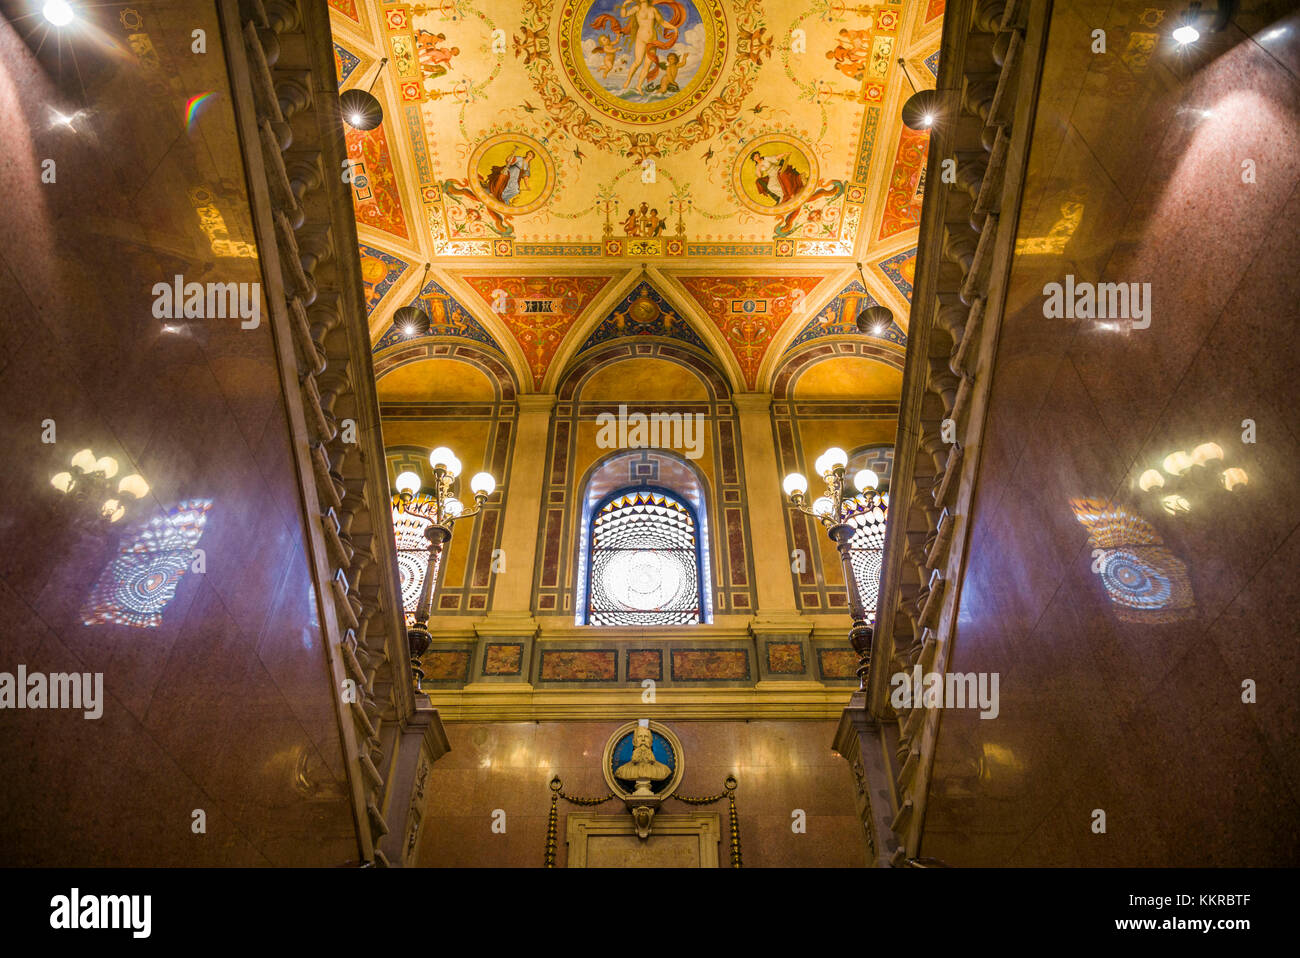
{"x":280,"y":58}
{"x":990,"y":70}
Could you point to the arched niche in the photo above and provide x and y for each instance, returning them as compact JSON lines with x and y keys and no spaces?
{"x":603,"y":365}
{"x":844,"y":370}
{"x":440,"y":371}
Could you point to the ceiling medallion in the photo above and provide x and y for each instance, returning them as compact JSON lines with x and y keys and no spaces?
{"x":512,"y":173}
{"x":643,"y":61}
{"x":773,"y":173}
{"x":641,"y":64}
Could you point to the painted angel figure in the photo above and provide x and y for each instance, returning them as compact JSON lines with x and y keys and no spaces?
{"x":609,"y":47}
{"x":645,"y":33}
{"x":775,"y":177}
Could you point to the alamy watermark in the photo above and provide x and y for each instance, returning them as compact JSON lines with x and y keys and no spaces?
{"x":952,"y":690}
{"x":182,"y":300}
{"x":57,"y":690}
{"x":77,"y":911}
{"x":659,"y":430}
{"x":1128,"y":302}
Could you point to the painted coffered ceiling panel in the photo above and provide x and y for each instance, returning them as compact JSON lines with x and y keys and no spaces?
{"x":749,"y":311}
{"x":538,"y":311}
{"x":698,"y":139}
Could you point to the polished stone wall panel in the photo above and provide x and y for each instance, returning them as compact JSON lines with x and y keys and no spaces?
{"x":1101,"y":706}
{"x":779,"y":767}
{"x":226,"y":705}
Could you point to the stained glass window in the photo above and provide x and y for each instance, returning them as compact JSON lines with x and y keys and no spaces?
{"x":645,"y":561}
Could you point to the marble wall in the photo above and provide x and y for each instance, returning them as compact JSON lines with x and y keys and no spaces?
{"x":1123,"y":623}
{"x":216,"y":691}
{"x":779,"y":767}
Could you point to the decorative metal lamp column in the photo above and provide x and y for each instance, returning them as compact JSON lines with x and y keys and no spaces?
{"x":437,"y":504}
{"x":833,"y":510}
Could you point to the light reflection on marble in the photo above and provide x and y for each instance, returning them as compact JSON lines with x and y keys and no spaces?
{"x":1140,"y":715}
{"x":223,"y":702}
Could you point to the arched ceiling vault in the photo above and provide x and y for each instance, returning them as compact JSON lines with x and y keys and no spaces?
{"x":814,"y":88}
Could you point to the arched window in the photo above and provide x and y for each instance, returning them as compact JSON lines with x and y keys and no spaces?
{"x":643,"y":551}
{"x":645,"y":561}
{"x":867,"y":547}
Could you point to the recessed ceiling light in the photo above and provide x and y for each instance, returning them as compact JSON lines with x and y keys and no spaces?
{"x":1186,"y":34}
{"x":58,"y":12}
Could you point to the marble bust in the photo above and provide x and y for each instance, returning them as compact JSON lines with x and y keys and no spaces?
{"x":643,"y":768}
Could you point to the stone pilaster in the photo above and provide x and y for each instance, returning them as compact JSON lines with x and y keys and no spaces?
{"x":765,"y":498}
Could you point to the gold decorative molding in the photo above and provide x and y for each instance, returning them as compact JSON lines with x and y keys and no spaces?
{"x":786,"y":701}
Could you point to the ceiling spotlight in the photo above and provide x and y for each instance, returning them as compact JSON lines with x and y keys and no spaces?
{"x":1195,"y":20}
{"x":922,"y":107}
{"x":919,"y":110}
{"x":413,"y":320}
{"x":361,"y":110}
{"x":58,"y":12}
{"x":874,"y":319}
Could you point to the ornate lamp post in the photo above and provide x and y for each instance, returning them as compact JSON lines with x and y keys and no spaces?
{"x":436,"y":504}
{"x":834,"y":510}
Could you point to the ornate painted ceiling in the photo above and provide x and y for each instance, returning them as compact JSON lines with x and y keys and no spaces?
{"x":731,"y":159}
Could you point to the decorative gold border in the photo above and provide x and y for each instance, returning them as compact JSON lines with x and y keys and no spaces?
{"x":624,"y":729}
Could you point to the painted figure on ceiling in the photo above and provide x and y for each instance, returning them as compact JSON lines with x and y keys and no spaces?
{"x":609,"y":48}
{"x":435,"y":59}
{"x":507,"y":181}
{"x":852,"y":52}
{"x":775,"y":177}
{"x":645,"y":32}
{"x":668,"y":82}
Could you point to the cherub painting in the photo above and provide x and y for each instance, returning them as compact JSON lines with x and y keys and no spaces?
{"x":668,"y":82}
{"x":608,"y":48}
{"x":435,"y":59}
{"x":852,"y":52}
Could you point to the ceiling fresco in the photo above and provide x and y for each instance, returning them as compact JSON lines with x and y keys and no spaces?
{"x":725,"y":150}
